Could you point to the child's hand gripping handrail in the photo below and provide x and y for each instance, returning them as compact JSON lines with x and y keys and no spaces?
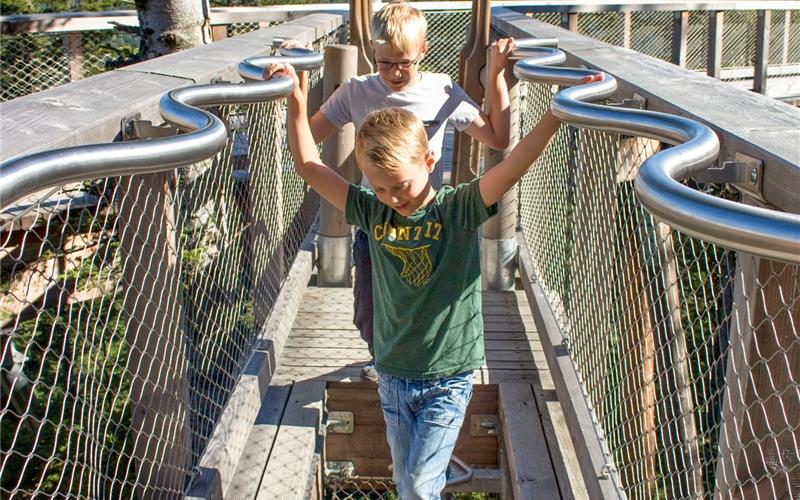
{"x":24,"y":175}
{"x":763,"y":232}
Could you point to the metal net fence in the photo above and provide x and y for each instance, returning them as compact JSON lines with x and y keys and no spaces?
{"x":650,"y":32}
{"x":130,"y":306}
{"x":687,"y":353}
{"x":31,"y":62}
{"x":447,"y":31}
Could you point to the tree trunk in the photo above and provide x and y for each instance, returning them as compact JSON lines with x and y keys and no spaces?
{"x":168,"y":26}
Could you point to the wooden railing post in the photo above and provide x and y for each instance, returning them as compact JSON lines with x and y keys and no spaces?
{"x":626,"y":29}
{"x":74,"y":54}
{"x":219,"y":32}
{"x":499,"y":233}
{"x":360,"y":36}
{"x":465,"y":149}
{"x":569,"y":21}
{"x":787,"y":31}
{"x":680,"y":31}
{"x":155,"y":334}
{"x":334,"y":240}
{"x":715,"y":26}
{"x":756,"y":431}
{"x":681,"y":434}
{"x":762,"y":51}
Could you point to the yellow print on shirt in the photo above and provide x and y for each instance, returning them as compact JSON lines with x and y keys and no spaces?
{"x":428,"y":230}
{"x":417,"y":264}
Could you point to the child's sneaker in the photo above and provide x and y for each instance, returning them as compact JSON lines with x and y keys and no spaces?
{"x":368,"y":372}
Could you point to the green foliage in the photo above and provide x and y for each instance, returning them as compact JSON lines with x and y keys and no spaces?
{"x":65,"y":356}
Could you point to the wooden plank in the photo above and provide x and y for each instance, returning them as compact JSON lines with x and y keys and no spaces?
{"x":367,"y":446}
{"x":590,"y":450}
{"x":315,"y":322}
{"x":763,"y":22}
{"x":714,"y":44}
{"x":680,"y":32}
{"x":287,"y":473}
{"x":532,"y":474}
{"x":259,"y":444}
{"x":337,"y":318}
{"x":346,"y":308}
{"x":89,"y":110}
{"x":355,"y":342}
{"x":559,"y":442}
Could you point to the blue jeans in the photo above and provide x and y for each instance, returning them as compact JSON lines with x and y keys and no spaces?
{"x":362,"y":289}
{"x":423,"y":419}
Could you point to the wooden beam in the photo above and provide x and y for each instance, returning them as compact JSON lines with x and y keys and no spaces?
{"x":89,"y":111}
{"x":219,"y":32}
{"x":74,"y":53}
{"x":762,"y":51}
{"x":787,"y":31}
{"x":260,"y":441}
{"x":680,"y":30}
{"x":626,"y":29}
{"x":714,"y":43}
{"x":530,"y":467}
{"x":590,"y":449}
{"x":569,"y":21}
{"x":290,"y":462}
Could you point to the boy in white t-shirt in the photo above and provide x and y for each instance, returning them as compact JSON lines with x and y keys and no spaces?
{"x":399,"y":44}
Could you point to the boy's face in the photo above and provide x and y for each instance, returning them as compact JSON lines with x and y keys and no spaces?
{"x":405,"y":189}
{"x":398,"y":69}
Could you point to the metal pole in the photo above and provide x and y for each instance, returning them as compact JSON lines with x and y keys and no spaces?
{"x":334,"y":242}
{"x":499,"y":233}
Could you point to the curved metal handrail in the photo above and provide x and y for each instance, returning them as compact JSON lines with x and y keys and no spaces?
{"x":760,"y":231}
{"x":24,"y":175}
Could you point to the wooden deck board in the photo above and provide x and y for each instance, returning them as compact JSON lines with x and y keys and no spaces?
{"x":290,"y":462}
{"x":325,"y":348}
{"x":251,"y":464}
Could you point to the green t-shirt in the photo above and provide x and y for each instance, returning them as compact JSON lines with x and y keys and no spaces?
{"x":425,"y":281}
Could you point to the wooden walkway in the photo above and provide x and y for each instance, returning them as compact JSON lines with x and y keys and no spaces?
{"x":325,"y":353}
{"x":325,"y":345}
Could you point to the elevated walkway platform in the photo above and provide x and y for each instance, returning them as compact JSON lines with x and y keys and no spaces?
{"x":320,"y":432}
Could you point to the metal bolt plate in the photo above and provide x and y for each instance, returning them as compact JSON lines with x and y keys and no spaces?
{"x":483,"y":425}
{"x":340,"y":422}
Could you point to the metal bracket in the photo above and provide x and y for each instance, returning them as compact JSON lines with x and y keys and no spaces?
{"x":133,"y":127}
{"x":483,"y":425}
{"x":635,"y":102}
{"x":339,"y":422}
{"x":458,"y":465}
{"x":339,"y":468}
{"x":745,"y":172}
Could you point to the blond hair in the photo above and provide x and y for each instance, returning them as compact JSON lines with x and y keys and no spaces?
{"x":391,"y":138}
{"x":399,"y":25}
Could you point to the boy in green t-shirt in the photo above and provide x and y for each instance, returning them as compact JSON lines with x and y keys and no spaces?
{"x":426,"y":275}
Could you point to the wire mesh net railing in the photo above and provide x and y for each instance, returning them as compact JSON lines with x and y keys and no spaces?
{"x":651,"y":32}
{"x":130,"y":306}
{"x":686,"y":352}
{"x":32,"y":62}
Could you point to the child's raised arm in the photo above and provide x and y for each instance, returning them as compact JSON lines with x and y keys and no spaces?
{"x":494,"y":183}
{"x":493,"y":129}
{"x":322,"y":179}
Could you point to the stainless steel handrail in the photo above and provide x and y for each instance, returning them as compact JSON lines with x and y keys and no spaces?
{"x":25,"y":175}
{"x":755,"y":230}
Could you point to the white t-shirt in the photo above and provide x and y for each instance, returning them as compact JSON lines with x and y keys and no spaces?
{"x":435,"y":99}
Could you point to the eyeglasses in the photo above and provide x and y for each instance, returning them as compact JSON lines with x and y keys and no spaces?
{"x":401,"y":65}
